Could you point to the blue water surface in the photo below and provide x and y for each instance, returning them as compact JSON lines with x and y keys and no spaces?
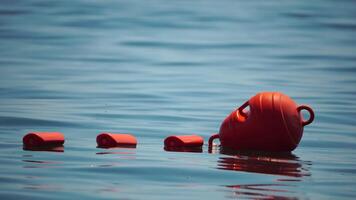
{"x":158,"y":68}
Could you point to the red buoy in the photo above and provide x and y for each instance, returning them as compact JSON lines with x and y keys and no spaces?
{"x":107,"y":140}
{"x":184,"y":141}
{"x":269,"y":121}
{"x":43,"y":139}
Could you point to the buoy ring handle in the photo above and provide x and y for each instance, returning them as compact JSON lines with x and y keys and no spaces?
{"x":212,"y":138}
{"x":311,"y":114}
{"x":241,"y":109}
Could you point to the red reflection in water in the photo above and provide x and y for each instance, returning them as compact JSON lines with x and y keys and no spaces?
{"x":284,"y":164}
{"x":184,"y":149}
{"x":260,"y":191}
{"x":112,"y":152}
{"x":128,"y":146}
{"x":45,"y":148}
{"x":259,"y":187}
{"x":123,"y":152}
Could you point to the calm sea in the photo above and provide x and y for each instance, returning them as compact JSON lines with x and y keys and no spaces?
{"x":158,"y":68}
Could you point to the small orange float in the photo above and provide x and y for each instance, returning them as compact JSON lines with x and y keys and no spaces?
{"x":108,"y":140}
{"x":43,"y":139}
{"x":184,"y":141}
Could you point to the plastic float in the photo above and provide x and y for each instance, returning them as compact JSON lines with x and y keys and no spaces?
{"x":269,"y":121}
{"x":184,"y":143}
{"x":52,"y":141}
{"x":109,"y":140}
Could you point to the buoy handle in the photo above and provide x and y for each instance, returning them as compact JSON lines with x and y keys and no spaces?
{"x":311,"y":114}
{"x":212,"y":138}
{"x":241,"y":108}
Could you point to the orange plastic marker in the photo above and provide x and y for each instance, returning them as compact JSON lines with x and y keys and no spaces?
{"x":43,"y":139}
{"x":107,"y":140}
{"x":184,"y":141}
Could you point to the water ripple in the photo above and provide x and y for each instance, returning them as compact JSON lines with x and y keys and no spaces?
{"x":32,"y":122}
{"x":155,"y":69}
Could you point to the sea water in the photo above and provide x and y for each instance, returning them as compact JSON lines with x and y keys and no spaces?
{"x":158,"y":68}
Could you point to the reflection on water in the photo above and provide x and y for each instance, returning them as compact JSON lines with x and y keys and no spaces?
{"x":129,"y":146}
{"x":41,"y":164}
{"x":184,"y":149}
{"x":112,"y":152}
{"x":283,"y":164}
{"x":260,"y":191}
{"x":280,"y":164}
{"x":108,"y":189}
{"x":156,"y":69}
{"x":122,"y":152}
{"x":42,"y":187}
{"x":45,"y":148}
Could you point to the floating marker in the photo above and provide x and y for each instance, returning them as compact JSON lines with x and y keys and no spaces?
{"x":184,"y":141}
{"x":107,"y":140}
{"x":43,"y":140}
{"x":269,"y":121}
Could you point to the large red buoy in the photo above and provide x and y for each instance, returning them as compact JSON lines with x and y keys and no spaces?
{"x":269,"y":121}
